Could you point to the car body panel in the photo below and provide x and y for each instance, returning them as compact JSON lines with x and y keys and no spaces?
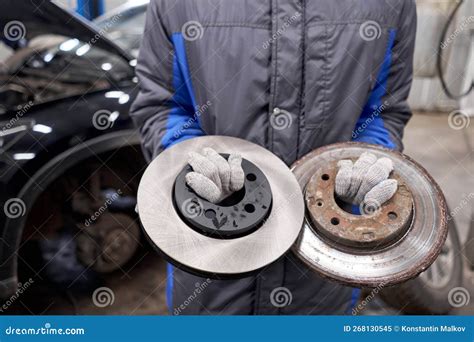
{"x":40,"y":17}
{"x":42,"y":136}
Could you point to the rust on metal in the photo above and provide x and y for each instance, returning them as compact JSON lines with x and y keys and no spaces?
{"x":398,"y":251}
{"x":375,"y":228}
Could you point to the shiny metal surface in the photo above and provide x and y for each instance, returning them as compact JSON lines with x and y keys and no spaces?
{"x":406,"y":257}
{"x":202,"y":254}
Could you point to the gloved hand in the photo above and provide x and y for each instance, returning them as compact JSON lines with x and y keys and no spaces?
{"x":214,"y":178}
{"x":365,"y":181}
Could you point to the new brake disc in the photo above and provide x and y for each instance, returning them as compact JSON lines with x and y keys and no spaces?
{"x":242,"y":234}
{"x":385,"y":246}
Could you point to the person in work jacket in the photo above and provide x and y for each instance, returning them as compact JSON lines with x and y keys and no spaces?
{"x":289,"y":75}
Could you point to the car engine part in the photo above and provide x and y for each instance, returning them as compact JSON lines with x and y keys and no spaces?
{"x":243,"y":233}
{"x":387,"y":244}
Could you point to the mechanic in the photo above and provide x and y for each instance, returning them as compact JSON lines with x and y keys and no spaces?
{"x":290,"y":76}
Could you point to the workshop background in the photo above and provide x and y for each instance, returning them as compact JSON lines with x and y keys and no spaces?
{"x":440,"y":136}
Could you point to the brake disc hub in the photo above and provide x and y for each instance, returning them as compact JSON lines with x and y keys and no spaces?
{"x":376,"y":228}
{"x":240,"y":214}
{"x":386,"y":245}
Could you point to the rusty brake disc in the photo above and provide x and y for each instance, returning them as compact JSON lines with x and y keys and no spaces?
{"x":384,"y":246}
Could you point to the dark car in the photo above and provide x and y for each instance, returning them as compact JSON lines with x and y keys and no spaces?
{"x":70,"y":159}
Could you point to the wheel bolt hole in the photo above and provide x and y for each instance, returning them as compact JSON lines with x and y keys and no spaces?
{"x":325,"y":177}
{"x":251,"y":177}
{"x":334,"y":221}
{"x":392,"y":215}
{"x":250,"y":208}
{"x":210,"y":214}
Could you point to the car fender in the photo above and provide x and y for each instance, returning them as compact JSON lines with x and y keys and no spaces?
{"x":13,"y":229}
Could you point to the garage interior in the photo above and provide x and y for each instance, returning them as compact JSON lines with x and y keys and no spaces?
{"x":138,"y":285}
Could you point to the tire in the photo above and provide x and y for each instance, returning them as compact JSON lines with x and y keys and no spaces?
{"x":428,"y":293}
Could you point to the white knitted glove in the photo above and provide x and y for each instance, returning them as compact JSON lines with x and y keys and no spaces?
{"x":365,"y":181}
{"x":214,"y":178}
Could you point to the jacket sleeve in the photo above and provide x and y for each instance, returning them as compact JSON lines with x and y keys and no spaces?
{"x":164,"y":110}
{"x":387,"y":112}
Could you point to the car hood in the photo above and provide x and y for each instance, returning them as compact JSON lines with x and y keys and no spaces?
{"x":32,"y":18}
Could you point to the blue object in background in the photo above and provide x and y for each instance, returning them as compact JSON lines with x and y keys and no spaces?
{"x":90,"y":9}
